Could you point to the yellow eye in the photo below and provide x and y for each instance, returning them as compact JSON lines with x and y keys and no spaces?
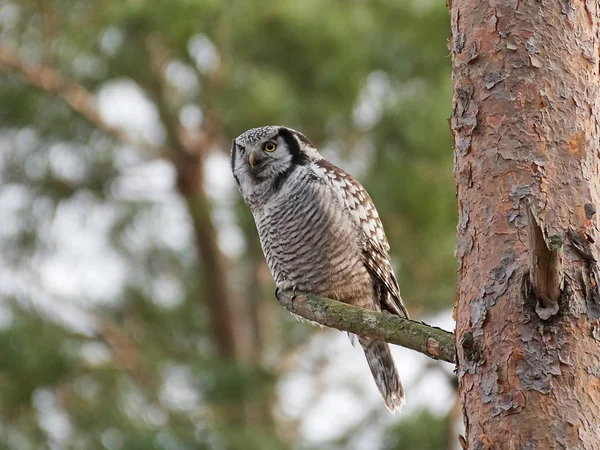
{"x":270,"y":146}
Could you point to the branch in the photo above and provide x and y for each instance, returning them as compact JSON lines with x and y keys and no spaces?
{"x":184,"y":149}
{"x":431,"y":341}
{"x":51,"y":81}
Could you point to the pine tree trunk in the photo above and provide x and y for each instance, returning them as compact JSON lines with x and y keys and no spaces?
{"x":525,"y":123}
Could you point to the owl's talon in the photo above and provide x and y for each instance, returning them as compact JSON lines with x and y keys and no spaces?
{"x":279,"y":290}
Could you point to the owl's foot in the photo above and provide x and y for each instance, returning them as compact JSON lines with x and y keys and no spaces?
{"x":279,"y":290}
{"x":293,"y":291}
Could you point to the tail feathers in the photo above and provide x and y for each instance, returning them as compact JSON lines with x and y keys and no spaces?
{"x":384,"y":372}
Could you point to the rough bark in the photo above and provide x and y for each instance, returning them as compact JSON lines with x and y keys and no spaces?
{"x":430,"y":341}
{"x":525,"y":126}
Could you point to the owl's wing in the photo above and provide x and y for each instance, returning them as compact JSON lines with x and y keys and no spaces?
{"x":375,"y":245}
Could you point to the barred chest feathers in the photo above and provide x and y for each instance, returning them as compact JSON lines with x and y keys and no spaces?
{"x":308,"y":238}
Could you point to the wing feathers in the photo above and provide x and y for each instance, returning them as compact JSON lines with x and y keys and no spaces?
{"x":375,"y":245}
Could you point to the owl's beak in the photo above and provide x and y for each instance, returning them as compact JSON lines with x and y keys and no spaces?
{"x":251,"y":159}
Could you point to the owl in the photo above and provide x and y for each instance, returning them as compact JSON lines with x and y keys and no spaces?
{"x":320,"y":233}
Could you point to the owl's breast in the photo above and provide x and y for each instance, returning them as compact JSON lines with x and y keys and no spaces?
{"x":309,"y":240}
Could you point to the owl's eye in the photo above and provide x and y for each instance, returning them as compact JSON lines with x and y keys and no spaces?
{"x":270,"y":146}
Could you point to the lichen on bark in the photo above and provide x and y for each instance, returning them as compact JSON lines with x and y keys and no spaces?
{"x":430,"y":341}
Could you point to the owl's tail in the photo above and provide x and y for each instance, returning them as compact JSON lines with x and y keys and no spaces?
{"x":384,"y":372}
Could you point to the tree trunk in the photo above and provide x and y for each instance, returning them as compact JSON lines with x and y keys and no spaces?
{"x":525,"y":125}
{"x":232,"y":336}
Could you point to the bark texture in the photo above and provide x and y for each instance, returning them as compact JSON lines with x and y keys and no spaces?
{"x":525,"y":125}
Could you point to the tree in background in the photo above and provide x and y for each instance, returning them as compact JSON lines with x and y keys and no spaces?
{"x":163,"y":332}
{"x":525,"y":124}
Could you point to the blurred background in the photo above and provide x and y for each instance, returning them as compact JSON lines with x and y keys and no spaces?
{"x":136,"y":310}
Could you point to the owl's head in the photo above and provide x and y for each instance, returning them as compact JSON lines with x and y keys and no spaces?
{"x":267,"y":155}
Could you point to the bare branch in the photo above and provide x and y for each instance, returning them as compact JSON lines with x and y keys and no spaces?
{"x":51,"y":81}
{"x":431,"y":341}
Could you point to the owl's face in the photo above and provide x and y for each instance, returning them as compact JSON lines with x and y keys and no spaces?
{"x":261,"y":158}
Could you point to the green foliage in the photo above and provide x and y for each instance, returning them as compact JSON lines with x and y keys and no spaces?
{"x":422,"y":430}
{"x":28,"y":363}
{"x":307,"y":64}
